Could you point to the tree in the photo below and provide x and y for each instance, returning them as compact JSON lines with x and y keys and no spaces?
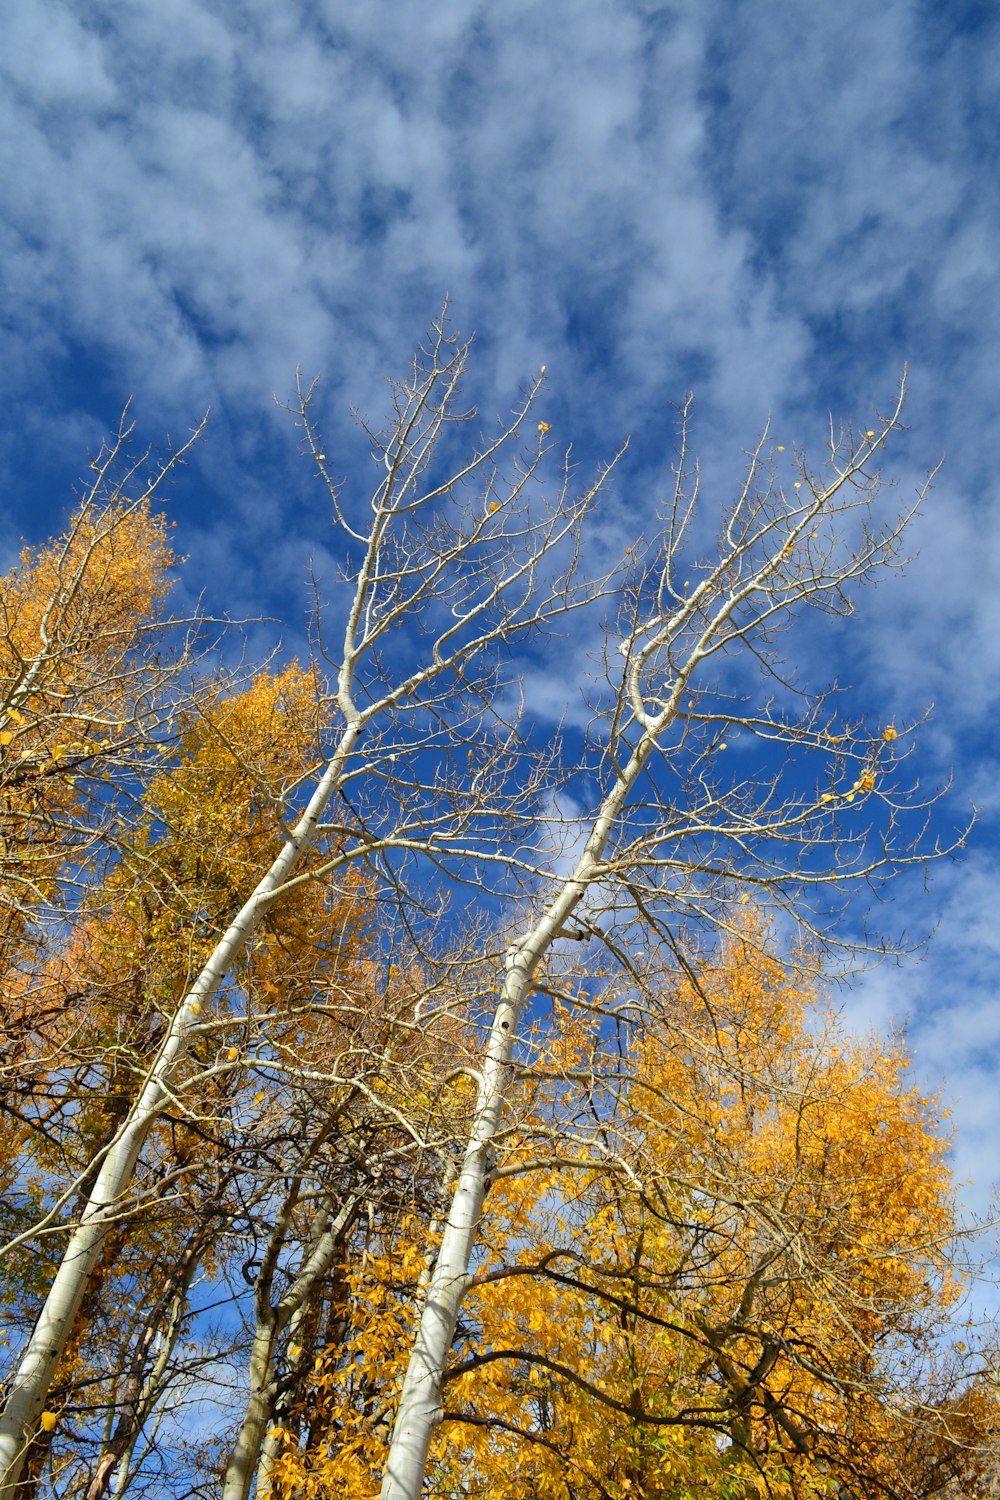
{"x":84,"y":695}
{"x":119,"y":971}
{"x":737,"y":1287}
{"x":481,"y":581}
{"x":669,"y":832}
{"x":89,"y":692}
{"x":432,"y":785}
{"x":180,"y":869}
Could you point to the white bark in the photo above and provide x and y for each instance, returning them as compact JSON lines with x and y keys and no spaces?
{"x":480,"y":589}
{"x":419,"y":1409}
{"x":33,"y":1376}
{"x":272,"y":1320}
{"x":773,"y":558}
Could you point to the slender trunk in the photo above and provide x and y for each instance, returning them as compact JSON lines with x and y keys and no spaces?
{"x":419,"y":1410}
{"x":419,"y":1406}
{"x":36,"y":1462}
{"x":269,"y":1445}
{"x":30,"y":1383}
{"x":323,"y":1322}
{"x":246,"y":1452}
{"x":137,"y":1391}
{"x":65,"y":1389}
{"x":272,"y":1320}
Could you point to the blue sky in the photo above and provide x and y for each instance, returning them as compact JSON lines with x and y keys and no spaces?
{"x":774,"y":205}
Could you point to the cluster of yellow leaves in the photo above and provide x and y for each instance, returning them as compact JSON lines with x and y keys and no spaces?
{"x":77,"y":689}
{"x":336,"y":1438}
{"x":730,"y":1316}
{"x":86,"y":594}
{"x":831,"y":1209}
{"x":73,"y":616}
{"x":162,"y":818}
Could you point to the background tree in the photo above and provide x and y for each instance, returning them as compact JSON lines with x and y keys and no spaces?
{"x":87,"y":691}
{"x":740,"y":1285}
{"x":90,"y":689}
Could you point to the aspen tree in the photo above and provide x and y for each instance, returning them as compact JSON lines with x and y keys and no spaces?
{"x":434,"y":786}
{"x":464,"y":554}
{"x":669,"y":832}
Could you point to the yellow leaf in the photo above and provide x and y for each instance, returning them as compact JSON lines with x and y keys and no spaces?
{"x":48,"y":1421}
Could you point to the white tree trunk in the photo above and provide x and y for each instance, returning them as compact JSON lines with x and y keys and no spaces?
{"x":30,"y":1382}
{"x":271,"y":1322}
{"x":245,"y":1454}
{"x":419,"y":1409}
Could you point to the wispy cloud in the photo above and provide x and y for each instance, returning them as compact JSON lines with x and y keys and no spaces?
{"x":775,"y":205}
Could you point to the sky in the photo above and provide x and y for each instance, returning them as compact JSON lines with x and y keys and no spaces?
{"x":775,"y":206}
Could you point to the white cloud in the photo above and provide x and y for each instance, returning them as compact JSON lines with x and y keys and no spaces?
{"x":774,"y":204}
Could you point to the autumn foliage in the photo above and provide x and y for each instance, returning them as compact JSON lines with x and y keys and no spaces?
{"x":744,"y":1297}
{"x":675,"y":1231}
{"x":138,"y":797}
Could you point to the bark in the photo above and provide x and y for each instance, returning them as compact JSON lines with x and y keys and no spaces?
{"x":272,"y":1320}
{"x":419,"y":1410}
{"x":30,"y":1382}
{"x":137,"y":1391}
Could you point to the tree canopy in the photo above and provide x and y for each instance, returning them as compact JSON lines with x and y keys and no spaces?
{"x":397,"y":1096}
